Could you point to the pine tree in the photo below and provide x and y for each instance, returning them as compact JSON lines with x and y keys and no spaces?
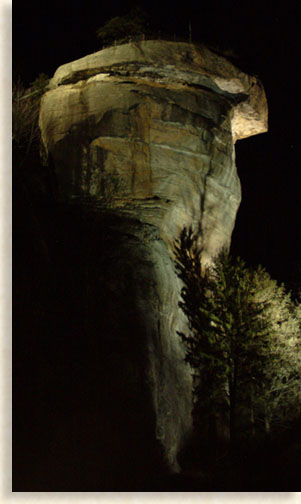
{"x":280,"y":392}
{"x":122,"y":28}
{"x":242,"y":341}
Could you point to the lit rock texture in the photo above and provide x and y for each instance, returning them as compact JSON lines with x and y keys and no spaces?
{"x":143,"y":135}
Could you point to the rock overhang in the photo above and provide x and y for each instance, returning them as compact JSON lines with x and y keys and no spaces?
{"x":176,"y":64}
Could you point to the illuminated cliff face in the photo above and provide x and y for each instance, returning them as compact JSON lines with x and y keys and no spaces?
{"x":143,"y":135}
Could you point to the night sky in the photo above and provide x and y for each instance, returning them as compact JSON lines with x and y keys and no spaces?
{"x":265,"y":36}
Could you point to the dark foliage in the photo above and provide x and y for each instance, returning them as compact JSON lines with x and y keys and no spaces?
{"x":122,"y":28}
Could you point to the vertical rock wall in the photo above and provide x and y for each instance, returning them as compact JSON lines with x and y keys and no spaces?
{"x":141,"y":138}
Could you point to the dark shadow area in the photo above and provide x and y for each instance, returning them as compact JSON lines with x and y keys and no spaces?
{"x":82,"y":415}
{"x":266,"y":465}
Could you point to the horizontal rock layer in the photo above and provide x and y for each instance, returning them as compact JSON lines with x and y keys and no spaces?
{"x":178,"y":63}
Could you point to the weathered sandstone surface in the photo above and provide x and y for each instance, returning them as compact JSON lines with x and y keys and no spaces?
{"x":142,"y":135}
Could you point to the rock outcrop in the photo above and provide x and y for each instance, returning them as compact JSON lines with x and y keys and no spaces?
{"x":141,"y":137}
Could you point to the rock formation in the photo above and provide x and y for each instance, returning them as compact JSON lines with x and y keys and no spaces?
{"x":141,"y":138}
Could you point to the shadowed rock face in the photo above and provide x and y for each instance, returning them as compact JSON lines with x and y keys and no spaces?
{"x":142,"y":136}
